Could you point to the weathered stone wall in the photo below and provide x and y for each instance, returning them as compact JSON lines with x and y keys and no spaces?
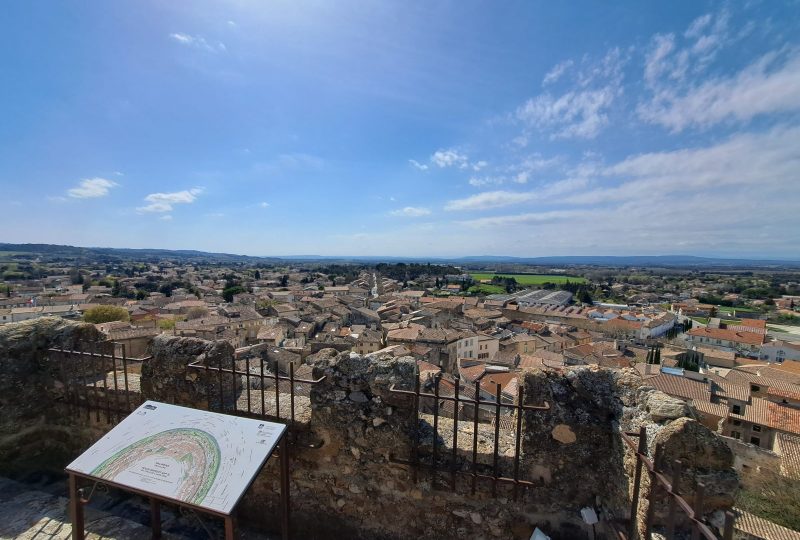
{"x":345,"y":482}
{"x":34,"y":432}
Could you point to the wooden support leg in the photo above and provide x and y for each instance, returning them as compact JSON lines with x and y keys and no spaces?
{"x":284,"y":450}
{"x":155,"y":518}
{"x":75,"y":509}
{"x":230,"y":527}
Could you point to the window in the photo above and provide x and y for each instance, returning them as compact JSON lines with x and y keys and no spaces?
{"x":736,"y":409}
{"x":757,"y":428}
{"x":755,"y":388}
{"x":755,"y":440}
{"x":736,"y":435}
{"x":737,"y":423}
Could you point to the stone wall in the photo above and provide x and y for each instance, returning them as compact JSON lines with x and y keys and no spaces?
{"x":32,"y":432}
{"x":345,"y":481}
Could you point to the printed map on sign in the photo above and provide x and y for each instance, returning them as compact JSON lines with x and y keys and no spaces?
{"x":197,"y":457}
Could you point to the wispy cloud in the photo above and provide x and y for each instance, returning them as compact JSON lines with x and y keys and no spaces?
{"x":198,"y":41}
{"x":581,"y":112}
{"x":164,"y":202}
{"x":263,"y":204}
{"x":558,"y":70}
{"x":521,"y":219}
{"x":489,"y":199}
{"x":417,"y":165}
{"x":450,"y":158}
{"x":769,"y":85}
{"x":166,"y":217}
{"x":411,"y":211}
{"x":91,"y":188}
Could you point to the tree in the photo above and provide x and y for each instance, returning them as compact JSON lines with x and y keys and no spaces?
{"x":196,"y":313}
{"x":228,"y":293}
{"x":166,"y":324}
{"x":285,"y":280}
{"x":102,"y":314}
{"x":257,"y":274}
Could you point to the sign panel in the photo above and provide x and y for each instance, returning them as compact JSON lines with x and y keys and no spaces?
{"x":198,"y":457}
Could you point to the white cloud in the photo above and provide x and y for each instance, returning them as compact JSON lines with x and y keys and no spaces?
{"x":198,"y":41}
{"x":417,"y":165}
{"x":489,"y":199}
{"x":411,"y":211}
{"x":165,"y":217}
{"x":558,"y":70}
{"x":521,"y":219}
{"x":263,"y":204}
{"x":164,"y":202}
{"x":769,"y":85}
{"x":90,"y":188}
{"x":477,"y":181}
{"x":449,"y":158}
{"x":479,"y":165}
{"x":582,"y":111}
{"x":743,"y":161}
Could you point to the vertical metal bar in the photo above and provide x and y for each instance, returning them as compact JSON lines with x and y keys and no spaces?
{"x":651,"y":500}
{"x":155,"y":518}
{"x":455,"y":435}
{"x":84,"y":366}
{"x":63,"y":372}
{"x":247,"y":380}
{"x":437,"y":378}
{"x":415,"y":433}
{"x":234,"y":380}
{"x":125,"y":380}
{"x":92,"y":349}
{"x":637,"y":480}
{"x":263,"y":404}
{"x":104,"y":373}
{"x":495,"y":462}
{"x":291,"y":393}
{"x":475,"y":436}
{"x":76,"y":509}
{"x":727,"y":533}
{"x":285,"y":501}
{"x":518,"y":438}
{"x":221,"y":394}
{"x":230,"y":527}
{"x":277,"y":392}
{"x":117,"y":414}
{"x":207,"y":382}
{"x":676,"y":477}
{"x":698,"y":509}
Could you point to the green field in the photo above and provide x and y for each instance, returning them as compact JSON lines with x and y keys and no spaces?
{"x":532,"y":279}
{"x":487,"y":289}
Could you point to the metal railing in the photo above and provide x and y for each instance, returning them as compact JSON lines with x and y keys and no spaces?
{"x":99,"y":382}
{"x":219,"y":372}
{"x":452,"y":466}
{"x":671,"y":487}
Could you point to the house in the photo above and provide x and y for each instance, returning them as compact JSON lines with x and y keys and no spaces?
{"x":367,"y":341}
{"x":778,"y":351}
{"x":747,"y":343}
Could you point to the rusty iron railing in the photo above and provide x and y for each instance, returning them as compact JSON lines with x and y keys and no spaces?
{"x":452,"y":467}
{"x":85,"y":372}
{"x":660,"y":483}
{"x":219,"y":372}
{"x":98,"y":381}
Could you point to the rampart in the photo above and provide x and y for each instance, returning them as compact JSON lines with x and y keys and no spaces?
{"x":346,"y":477}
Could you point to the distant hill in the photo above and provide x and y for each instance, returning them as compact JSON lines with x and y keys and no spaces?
{"x":54,"y":251}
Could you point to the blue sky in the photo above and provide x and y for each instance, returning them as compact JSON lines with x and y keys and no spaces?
{"x":403,"y":128}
